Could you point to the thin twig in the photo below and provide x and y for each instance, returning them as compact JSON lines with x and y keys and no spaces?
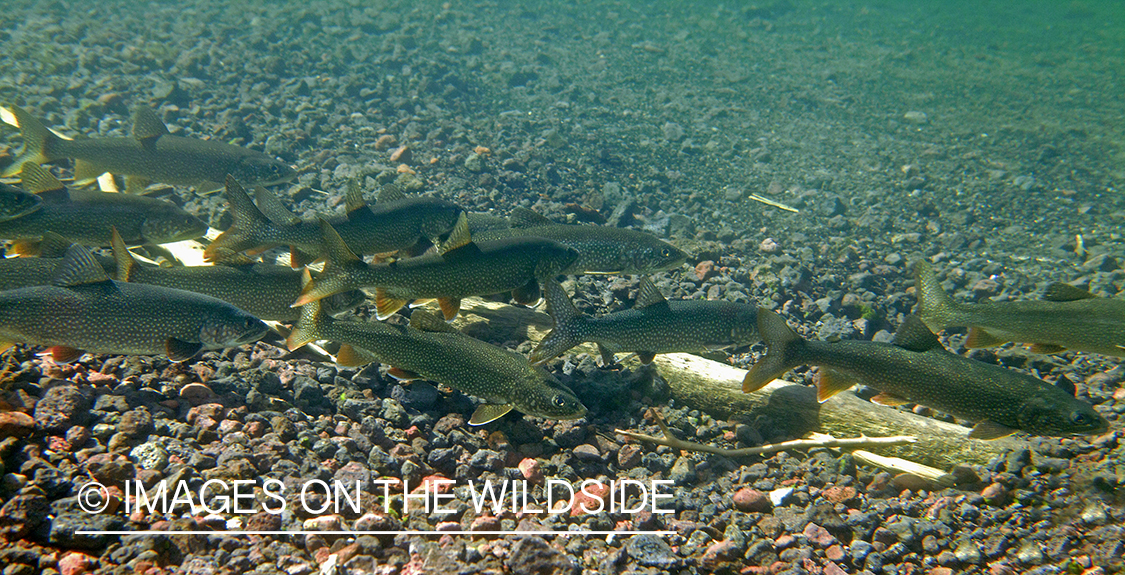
{"x":818,"y":440}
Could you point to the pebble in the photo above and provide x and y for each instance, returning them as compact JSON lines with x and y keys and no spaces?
{"x":76,"y":563}
{"x":916,"y":117}
{"x":196,"y":394}
{"x":752,"y":501}
{"x":779,"y":496}
{"x":62,"y":407}
{"x":16,"y":424}
{"x":150,"y":455}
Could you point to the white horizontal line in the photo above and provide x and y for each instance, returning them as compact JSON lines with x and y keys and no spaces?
{"x":303,"y":532}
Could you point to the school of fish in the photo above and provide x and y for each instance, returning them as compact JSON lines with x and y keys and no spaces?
{"x":70,"y":300}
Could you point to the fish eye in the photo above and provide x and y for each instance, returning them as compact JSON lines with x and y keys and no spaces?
{"x":665,"y":252}
{"x":559,"y":401}
{"x":1079,"y":418}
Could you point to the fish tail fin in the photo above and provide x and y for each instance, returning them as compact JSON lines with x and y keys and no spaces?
{"x":783,"y":344}
{"x":570,"y":324}
{"x":935,"y":307}
{"x":338,"y":258}
{"x":308,"y":326}
{"x":246,"y":231}
{"x":38,"y":140}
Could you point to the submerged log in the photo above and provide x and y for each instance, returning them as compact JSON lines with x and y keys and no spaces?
{"x":716,"y":389}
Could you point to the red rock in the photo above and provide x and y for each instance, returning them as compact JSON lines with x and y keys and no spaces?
{"x":818,"y":535}
{"x":784,"y":542}
{"x":995,"y":494}
{"x":704,"y":269}
{"x":839,"y":494}
{"x":76,"y":563}
{"x":719,"y":553}
{"x":629,"y":456}
{"x":485,"y":523}
{"x":752,"y":501}
{"x":588,"y":498}
{"x":196,"y":394}
{"x":833,"y":569}
{"x":531,"y":470}
{"x":835,"y":553}
{"x":941,"y":571}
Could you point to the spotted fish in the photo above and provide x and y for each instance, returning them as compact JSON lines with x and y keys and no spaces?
{"x":654,"y":325}
{"x":85,"y":310}
{"x":150,"y":154}
{"x":431,"y":349}
{"x":1068,"y":318}
{"x":917,"y":369}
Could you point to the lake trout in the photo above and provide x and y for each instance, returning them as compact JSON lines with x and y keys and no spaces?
{"x":151,"y":154}
{"x":394,"y":223}
{"x":917,"y":369}
{"x":262,"y":290}
{"x":87,"y":217}
{"x":85,"y":310}
{"x":430,"y":348}
{"x":654,"y":325}
{"x":601,"y":249}
{"x":1068,"y":318}
{"x":461,"y":269}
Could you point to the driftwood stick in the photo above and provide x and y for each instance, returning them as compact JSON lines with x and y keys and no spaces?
{"x":716,"y":389}
{"x":817,"y":440}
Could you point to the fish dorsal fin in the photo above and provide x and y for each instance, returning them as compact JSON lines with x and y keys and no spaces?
{"x":353,"y":199}
{"x":915,"y":336}
{"x":53,"y":245}
{"x":40,"y":182}
{"x":79,"y":268}
{"x":1064,"y":383}
{"x":489,"y":412}
{"x":1065,"y":292}
{"x":987,"y":429}
{"x":126,"y":263}
{"x":390,"y":193}
{"x":524,"y":218}
{"x":649,"y":295}
{"x":423,"y":320}
{"x":147,"y":126}
{"x":459,"y":237}
{"x":335,"y":250}
{"x":271,"y":206}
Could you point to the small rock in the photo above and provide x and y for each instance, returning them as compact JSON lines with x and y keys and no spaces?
{"x":22,"y":514}
{"x":779,"y":496}
{"x":916,"y":117}
{"x":76,"y":563}
{"x":531,"y":470}
{"x":197,"y":394}
{"x":1030,"y":554}
{"x":110,"y":468}
{"x":705,"y":269}
{"x":629,"y":456}
{"x":587,"y":452}
{"x":1094,"y":514}
{"x":769,"y":246}
{"x":150,"y":455}
{"x":683,"y":471}
{"x":968,"y":552}
{"x":62,"y":407}
{"x":534,"y":555}
{"x":16,"y":424}
{"x":651,"y":551}
{"x":752,"y":501}
{"x":403,"y":155}
{"x":995,"y":494}
{"x":839,"y":494}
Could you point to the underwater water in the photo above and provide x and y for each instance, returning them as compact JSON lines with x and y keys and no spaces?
{"x":803,"y":154}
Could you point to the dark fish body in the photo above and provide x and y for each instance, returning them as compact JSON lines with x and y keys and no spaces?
{"x":87,"y":217}
{"x":1069,"y":318}
{"x":151,"y":153}
{"x":262,"y":290}
{"x":601,"y":249}
{"x":463,"y":269}
{"x":85,"y":310}
{"x":655,"y":325}
{"x":917,"y":369}
{"x":392,"y":224}
{"x":432,"y":349}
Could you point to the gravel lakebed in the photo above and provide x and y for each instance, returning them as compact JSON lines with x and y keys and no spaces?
{"x":987,"y":142}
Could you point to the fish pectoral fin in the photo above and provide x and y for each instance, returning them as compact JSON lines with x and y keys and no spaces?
{"x":351,"y":356}
{"x":829,"y":382}
{"x":1046,"y":348}
{"x":180,"y":350}
{"x":980,"y":337}
{"x":403,"y":374}
{"x":6,"y":345}
{"x":489,"y":412}
{"x":86,"y":172}
{"x":63,"y":354}
{"x":136,"y":184}
{"x":646,"y":357}
{"x":649,"y":295}
{"x":608,"y":355}
{"x":987,"y":429}
{"x":423,"y":320}
{"x":25,"y":247}
{"x":450,"y":307}
{"x":528,"y":293}
{"x":889,"y":400}
{"x":385,"y":305}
